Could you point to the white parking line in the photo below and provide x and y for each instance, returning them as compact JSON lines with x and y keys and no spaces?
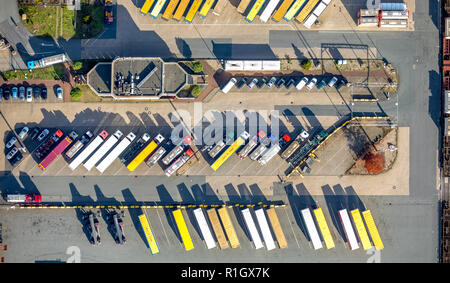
{"x":292,"y":228}
{"x":162,"y":225}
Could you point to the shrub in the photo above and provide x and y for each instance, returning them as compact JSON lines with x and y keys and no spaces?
{"x":374,"y":162}
{"x":76,"y":93}
{"x":87,"y":19}
{"x":197,"y":67}
{"x":77,"y":65}
{"x":306,"y":64}
{"x":196,"y":90}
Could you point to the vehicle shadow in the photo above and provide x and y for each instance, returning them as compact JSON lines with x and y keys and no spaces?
{"x":134,"y":213}
{"x":334,"y":204}
{"x":81,"y":213}
{"x":101,"y":198}
{"x":187,"y":198}
{"x":166,"y":199}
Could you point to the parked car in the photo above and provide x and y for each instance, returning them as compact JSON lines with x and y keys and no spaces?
{"x":11,"y":142}
{"x":22,"y":93}
{"x":35,"y":133}
{"x":1,"y":93}
{"x":29,"y":94}
{"x":289,"y":83}
{"x":36,"y":92}
{"x":16,"y":158}
{"x":280,"y":82}
{"x":23,"y":132}
{"x":43,"y":134}
{"x":302,"y":83}
{"x":6,"y":92}
{"x":341,"y":62}
{"x":12,"y":152}
{"x":311,"y":84}
{"x":242,"y":82}
{"x":15,"y":92}
{"x":340,"y":84}
{"x":261,"y":83}
{"x":332,"y":81}
{"x":59,"y":92}
{"x":271,"y":82}
{"x":253,"y":83}
{"x":73,"y":135}
{"x":322,"y":83}
{"x":44,"y":93}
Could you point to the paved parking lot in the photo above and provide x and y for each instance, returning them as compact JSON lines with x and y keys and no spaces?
{"x":340,"y":15}
{"x":51,"y":232}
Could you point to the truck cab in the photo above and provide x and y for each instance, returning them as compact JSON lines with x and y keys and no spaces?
{"x":109,"y":17}
{"x":27,"y":198}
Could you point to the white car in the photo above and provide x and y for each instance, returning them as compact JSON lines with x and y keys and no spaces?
{"x":43,"y":134}
{"x":332,"y":81}
{"x":59,"y":93}
{"x":11,"y":142}
{"x":23,"y":132}
{"x":341,"y":62}
{"x":29,"y":94}
{"x":302,"y":83}
{"x":311,"y":84}
{"x":12,"y":152}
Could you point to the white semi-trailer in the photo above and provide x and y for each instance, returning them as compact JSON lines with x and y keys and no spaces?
{"x":88,"y":150}
{"x":115,"y":152}
{"x":95,"y":158}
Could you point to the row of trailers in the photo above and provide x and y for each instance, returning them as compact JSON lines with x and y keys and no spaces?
{"x":101,"y":151}
{"x":176,"y":8}
{"x":388,"y":15}
{"x":308,"y":10}
{"x":220,"y":229}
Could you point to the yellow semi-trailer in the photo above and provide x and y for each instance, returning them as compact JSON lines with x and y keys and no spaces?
{"x":293,"y":10}
{"x":182,"y":228}
{"x":145,"y":152}
{"x":193,"y":10}
{"x":170,"y":9}
{"x":306,"y":10}
{"x":205,"y":8}
{"x":180,"y":10}
{"x":282,"y":10}
{"x":232,"y":149}
{"x":146,"y":7}
{"x":243,"y":6}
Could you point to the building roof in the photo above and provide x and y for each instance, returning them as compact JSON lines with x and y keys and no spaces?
{"x":99,"y":78}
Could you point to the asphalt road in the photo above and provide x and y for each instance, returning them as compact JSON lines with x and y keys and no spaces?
{"x":412,"y":221}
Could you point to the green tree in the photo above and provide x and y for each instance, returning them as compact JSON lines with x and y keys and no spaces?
{"x":76,"y":93}
{"x":197,"y":67}
{"x":196,"y":90}
{"x":77,"y":65}
{"x":87,"y":19}
{"x":306,"y":64}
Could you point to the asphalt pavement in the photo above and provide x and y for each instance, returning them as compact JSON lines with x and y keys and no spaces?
{"x":411,"y":221}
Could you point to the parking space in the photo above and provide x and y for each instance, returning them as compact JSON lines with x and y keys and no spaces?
{"x":19,"y":92}
{"x":340,"y":15}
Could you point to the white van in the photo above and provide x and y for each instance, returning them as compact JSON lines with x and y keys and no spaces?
{"x":302,"y":83}
{"x":229,"y":85}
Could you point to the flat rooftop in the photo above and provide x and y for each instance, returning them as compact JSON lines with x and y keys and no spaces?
{"x":99,"y":78}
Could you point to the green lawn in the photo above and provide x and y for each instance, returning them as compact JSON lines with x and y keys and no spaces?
{"x":68,"y":23}
{"x":41,"y":21}
{"x":49,"y":73}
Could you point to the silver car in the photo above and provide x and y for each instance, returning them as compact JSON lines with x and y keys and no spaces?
{"x":332,"y":81}
{"x":22,"y":93}
{"x":12,"y":152}
{"x":43,"y":134}
{"x":11,"y":142}
{"x":29,"y":94}
{"x":23,"y":132}
{"x":311,"y":84}
{"x":253,"y":83}
{"x":59,"y":93}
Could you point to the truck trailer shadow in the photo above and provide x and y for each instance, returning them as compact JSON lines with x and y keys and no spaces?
{"x":80,"y":212}
{"x":134,"y":213}
{"x":166,"y":199}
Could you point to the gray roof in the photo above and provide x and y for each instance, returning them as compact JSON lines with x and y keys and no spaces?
{"x":99,"y":78}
